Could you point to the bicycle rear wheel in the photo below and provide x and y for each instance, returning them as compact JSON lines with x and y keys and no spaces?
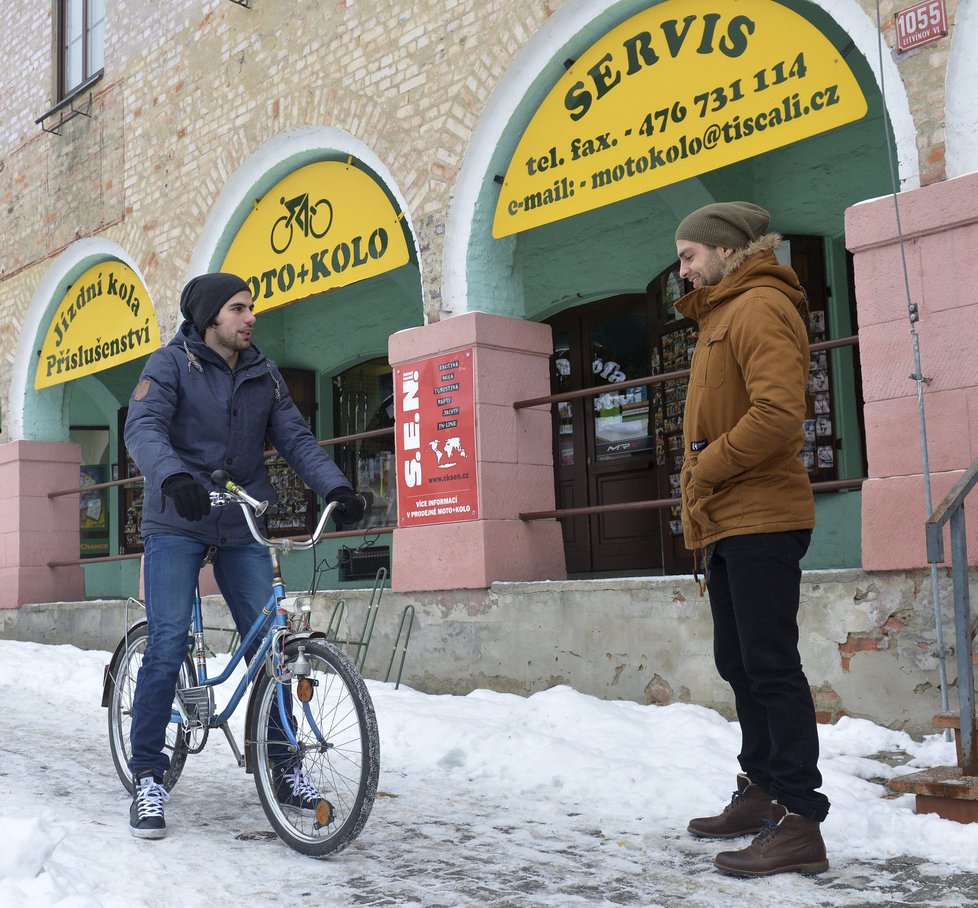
{"x":339,"y":748}
{"x":120,"y":688}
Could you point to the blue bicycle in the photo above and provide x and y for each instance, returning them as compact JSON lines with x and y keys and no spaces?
{"x":303,"y":688}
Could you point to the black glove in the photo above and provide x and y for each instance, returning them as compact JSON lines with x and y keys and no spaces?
{"x":189,"y":497}
{"x":350,"y":506}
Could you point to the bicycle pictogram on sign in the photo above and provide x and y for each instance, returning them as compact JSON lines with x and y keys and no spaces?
{"x":312,"y":220}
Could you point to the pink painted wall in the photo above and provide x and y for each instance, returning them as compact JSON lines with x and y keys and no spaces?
{"x":514,"y":461}
{"x":35,"y":529}
{"x":940,"y":228}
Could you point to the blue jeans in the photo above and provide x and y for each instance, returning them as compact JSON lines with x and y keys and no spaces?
{"x":171,"y":564}
{"x":754,"y":586}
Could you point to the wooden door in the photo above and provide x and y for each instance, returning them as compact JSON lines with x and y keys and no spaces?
{"x":604,"y":447}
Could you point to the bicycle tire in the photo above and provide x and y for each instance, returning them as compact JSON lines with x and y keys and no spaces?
{"x":313,"y":210}
{"x":284,"y":240}
{"x":343,"y":764}
{"x":121,"y":684}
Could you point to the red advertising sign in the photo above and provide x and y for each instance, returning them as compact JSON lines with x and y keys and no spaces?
{"x":435,"y":440}
{"x":920,"y":24}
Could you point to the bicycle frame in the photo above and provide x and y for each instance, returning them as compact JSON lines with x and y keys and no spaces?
{"x":266,"y":623}
{"x":271,"y":621}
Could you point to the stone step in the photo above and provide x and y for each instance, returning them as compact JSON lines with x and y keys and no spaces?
{"x":943,"y":790}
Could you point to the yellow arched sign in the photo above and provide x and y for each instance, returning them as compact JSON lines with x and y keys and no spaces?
{"x":106,"y":318}
{"x":676,"y":91}
{"x":327,"y":225}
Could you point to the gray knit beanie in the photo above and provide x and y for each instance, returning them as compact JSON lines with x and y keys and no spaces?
{"x":206,"y":294}
{"x":731,"y":225}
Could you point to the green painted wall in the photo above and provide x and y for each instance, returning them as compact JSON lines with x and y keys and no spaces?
{"x":837,"y":540}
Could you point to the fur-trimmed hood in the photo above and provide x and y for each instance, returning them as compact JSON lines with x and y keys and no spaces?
{"x":753,"y":266}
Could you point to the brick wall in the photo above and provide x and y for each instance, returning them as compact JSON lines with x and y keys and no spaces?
{"x":193,"y":87}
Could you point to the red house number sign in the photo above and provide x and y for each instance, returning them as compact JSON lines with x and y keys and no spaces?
{"x":921,"y":24}
{"x":435,"y":440}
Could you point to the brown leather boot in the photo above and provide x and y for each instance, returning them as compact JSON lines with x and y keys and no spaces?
{"x":749,"y":809}
{"x":788,"y":843}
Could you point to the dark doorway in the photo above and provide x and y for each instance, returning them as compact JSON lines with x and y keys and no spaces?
{"x":605,"y":446}
{"x":627,"y":445}
{"x":622,"y":446}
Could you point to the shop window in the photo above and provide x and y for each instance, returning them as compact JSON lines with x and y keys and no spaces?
{"x":81,"y":42}
{"x":130,"y":497}
{"x":363,"y":400}
{"x":295,"y":512}
{"x":93,"y":514}
{"x":806,"y":254}
{"x":672,"y":351}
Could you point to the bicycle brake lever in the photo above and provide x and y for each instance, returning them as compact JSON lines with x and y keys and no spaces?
{"x":221,"y":478}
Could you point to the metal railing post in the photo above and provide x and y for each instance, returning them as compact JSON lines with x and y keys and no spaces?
{"x":951,"y":510}
{"x":962,"y":630}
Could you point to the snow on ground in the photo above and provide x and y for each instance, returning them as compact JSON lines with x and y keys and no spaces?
{"x":557,"y":799}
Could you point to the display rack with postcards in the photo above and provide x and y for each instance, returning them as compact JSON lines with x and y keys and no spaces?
{"x":676,"y":354}
{"x":818,"y":446}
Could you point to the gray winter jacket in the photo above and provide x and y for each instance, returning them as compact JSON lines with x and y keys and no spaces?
{"x":191,"y":414}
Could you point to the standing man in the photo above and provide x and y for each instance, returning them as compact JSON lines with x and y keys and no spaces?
{"x":207,"y":401}
{"x":748,"y":514}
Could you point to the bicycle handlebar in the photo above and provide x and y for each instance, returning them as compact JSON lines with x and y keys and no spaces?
{"x":252,"y":508}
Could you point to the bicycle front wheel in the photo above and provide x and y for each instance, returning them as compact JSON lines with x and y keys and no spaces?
{"x":338,"y":755}
{"x":121,"y":688}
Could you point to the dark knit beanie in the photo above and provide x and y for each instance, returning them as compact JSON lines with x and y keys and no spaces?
{"x":204,"y":296}
{"x":731,"y":225}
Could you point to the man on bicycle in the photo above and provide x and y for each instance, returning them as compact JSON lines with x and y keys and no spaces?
{"x":208,"y":400}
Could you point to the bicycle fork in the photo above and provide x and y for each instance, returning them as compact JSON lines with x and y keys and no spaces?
{"x":299,"y":670}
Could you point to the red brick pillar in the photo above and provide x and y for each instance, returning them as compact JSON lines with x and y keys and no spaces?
{"x":36,"y":529}
{"x":513,"y":461}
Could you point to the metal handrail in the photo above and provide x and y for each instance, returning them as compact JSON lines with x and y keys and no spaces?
{"x":561,"y":513}
{"x":134,"y":480}
{"x":834,"y":485}
{"x":851,"y":341}
{"x":951,"y":510}
{"x":380,"y":531}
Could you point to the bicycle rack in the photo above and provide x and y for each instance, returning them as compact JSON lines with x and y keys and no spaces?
{"x":407,"y":614}
{"x":362,"y":643}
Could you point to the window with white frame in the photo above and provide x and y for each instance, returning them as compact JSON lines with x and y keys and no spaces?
{"x":81,"y":28}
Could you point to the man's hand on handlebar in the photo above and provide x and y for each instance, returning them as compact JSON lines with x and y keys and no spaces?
{"x":189,"y":497}
{"x":350,"y":506}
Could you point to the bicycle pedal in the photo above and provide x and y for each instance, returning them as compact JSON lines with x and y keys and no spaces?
{"x":198,"y":703}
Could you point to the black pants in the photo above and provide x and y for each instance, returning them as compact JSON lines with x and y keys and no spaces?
{"x":754,"y":585}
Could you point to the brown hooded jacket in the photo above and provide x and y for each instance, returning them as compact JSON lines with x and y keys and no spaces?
{"x":746,"y":402}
